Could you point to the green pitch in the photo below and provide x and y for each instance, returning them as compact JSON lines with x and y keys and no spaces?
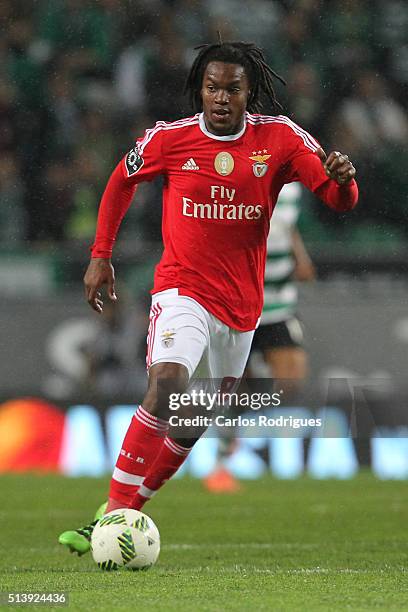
{"x":303,"y":545}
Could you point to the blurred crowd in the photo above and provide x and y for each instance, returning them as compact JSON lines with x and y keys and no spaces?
{"x":81,"y":79}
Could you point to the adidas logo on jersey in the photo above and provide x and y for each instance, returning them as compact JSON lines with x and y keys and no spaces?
{"x":190,"y":165}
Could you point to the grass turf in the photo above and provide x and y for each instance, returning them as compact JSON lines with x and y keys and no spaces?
{"x":278,"y":545}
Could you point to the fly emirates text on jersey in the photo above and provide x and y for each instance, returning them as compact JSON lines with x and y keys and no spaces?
{"x":215,"y":210}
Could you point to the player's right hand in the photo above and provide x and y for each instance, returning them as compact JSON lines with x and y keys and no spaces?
{"x":337,"y":166}
{"x":100,"y":272}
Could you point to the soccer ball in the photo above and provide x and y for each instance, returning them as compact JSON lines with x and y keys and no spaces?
{"x":125,"y":538}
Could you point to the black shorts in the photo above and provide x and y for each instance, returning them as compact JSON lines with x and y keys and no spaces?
{"x":278,"y":335}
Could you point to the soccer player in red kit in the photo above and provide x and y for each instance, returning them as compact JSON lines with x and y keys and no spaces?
{"x":223,"y":169}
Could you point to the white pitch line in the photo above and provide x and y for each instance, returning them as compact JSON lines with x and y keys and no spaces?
{"x":240,"y":545}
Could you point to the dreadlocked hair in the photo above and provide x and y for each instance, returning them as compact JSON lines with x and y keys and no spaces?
{"x":248,"y":55}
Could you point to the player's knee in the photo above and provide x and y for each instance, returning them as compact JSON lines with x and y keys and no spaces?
{"x":174,"y":374}
{"x":287,"y":363}
{"x":164,"y":379}
{"x":297,"y":364}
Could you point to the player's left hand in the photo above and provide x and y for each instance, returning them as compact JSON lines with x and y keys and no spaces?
{"x":337,"y":166}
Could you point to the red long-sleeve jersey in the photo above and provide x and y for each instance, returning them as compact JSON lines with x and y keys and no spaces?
{"x":218,"y":197}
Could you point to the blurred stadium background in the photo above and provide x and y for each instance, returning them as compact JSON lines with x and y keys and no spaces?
{"x":80,"y":79}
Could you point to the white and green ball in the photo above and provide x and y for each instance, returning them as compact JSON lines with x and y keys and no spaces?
{"x":125,"y":538}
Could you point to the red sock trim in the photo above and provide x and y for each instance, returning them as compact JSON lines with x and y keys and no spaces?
{"x":141,"y":446}
{"x":172,"y":455}
{"x":176,"y":448}
{"x":150,"y":420}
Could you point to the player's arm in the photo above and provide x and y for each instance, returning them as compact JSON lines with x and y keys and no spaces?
{"x":142,"y":163}
{"x":341,"y":191}
{"x":331,"y":178}
{"x":114,"y":204}
{"x":304,"y":268}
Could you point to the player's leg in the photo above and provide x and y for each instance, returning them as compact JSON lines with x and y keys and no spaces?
{"x":177,"y":444}
{"x":178,"y":336}
{"x":287,"y":362}
{"x":228,"y":363}
{"x":284,"y":354}
{"x":220,"y":479}
{"x":224,"y":359}
{"x":145,"y":436}
{"x":164,"y":379}
{"x":141,"y":446}
{"x":288,"y":366}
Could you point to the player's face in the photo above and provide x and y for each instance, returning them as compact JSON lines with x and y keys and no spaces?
{"x":224,"y":93}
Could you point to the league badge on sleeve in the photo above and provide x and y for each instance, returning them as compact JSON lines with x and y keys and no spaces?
{"x":134,"y":161}
{"x":260,"y":166}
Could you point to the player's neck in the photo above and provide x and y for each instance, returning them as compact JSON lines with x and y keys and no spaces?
{"x":234,"y":135}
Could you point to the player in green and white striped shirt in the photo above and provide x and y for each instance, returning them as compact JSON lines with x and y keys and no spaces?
{"x":280,"y":336}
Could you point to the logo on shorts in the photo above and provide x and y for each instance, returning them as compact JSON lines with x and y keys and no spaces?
{"x":167,"y":337}
{"x":259,"y":168}
{"x":134,"y":161}
{"x":224,"y":163}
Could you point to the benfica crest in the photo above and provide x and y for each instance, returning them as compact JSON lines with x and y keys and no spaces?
{"x":167,"y":337}
{"x":260,"y":166}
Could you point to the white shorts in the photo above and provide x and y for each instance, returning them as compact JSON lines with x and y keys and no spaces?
{"x":183,"y":331}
